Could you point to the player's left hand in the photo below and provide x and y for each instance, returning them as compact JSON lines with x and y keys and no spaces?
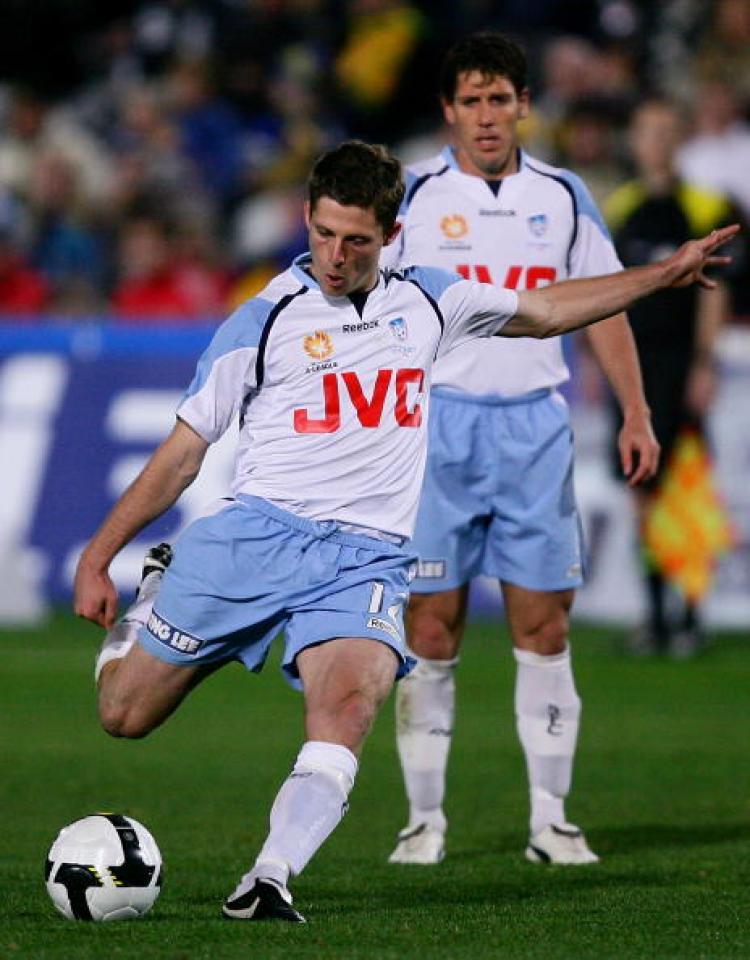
{"x":687,"y":264}
{"x":639,"y":449}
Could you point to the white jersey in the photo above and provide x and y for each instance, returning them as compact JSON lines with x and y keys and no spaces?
{"x":332,"y":393}
{"x":541,"y":225}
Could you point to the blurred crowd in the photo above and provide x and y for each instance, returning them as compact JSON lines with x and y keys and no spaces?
{"x":159,"y":175}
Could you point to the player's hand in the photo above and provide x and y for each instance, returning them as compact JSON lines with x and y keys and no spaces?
{"x":687,"y":264}
{"x":94,"y":596}
{"x":639,"y":449}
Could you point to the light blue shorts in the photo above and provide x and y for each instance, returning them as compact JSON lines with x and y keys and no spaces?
{"x":498,"y":494}
{"x":242,"y":575}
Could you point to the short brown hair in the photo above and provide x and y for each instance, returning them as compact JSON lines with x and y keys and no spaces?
{"x":357,"y":174}
{"x":490,"y":54}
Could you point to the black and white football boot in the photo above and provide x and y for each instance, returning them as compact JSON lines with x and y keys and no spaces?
{"x":265,"y":900}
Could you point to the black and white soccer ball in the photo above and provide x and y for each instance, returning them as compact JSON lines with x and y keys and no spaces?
{"x":104,"y":867}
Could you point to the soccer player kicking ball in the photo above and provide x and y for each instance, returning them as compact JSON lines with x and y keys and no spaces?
{"x":328,"y":370}
{"x":498,"y":495}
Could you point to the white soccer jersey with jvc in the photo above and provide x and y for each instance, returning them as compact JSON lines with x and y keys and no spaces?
{"x":530,"y":229}
{"x":332,"y":393}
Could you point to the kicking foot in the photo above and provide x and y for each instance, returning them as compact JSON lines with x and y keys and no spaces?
{"x":265,"y":900}
{"x":562,"y":843}
{"x":156,"y":559}
{"x":421,"y":844}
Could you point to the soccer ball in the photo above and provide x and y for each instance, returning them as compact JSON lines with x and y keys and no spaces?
{"x":104,"y":867}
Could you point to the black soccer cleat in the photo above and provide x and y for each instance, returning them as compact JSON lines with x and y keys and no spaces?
{"x":157,"y":558}
{"x":263,"y":901}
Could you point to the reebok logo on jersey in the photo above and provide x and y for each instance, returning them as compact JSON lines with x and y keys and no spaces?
{"x":170,"y":636}
{"x":497,"y":213}
{"x":360,"y":327}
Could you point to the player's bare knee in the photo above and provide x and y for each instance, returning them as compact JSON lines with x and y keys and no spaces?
{"x":120,"y":719}
{"x":545,"y":635}
{"x":348,"y":721}
{"x":430,"y":636}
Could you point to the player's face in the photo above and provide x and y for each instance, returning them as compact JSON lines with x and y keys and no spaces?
{"x":345,"y":244}
{"x":483,"y":116}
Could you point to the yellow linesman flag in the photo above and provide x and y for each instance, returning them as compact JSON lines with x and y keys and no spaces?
{"x":687,"y":525}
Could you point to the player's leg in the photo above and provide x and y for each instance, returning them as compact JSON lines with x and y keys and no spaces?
{"x":345,"y":681}
{"x":548,"y":711}
{"x":349,"y":586}
{"x":535,"y":549}
{"x":425,"y":709}
{"x":138,"y":692}
{"x":449,"y":540}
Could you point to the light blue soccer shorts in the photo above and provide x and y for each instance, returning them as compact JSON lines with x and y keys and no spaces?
{"x":498,"y":494}
{"x":241,"y":576}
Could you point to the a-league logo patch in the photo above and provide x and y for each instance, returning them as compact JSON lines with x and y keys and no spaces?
{"x":538,"y":224}
{"x":318,"y":345}
{"x":166,"y":633}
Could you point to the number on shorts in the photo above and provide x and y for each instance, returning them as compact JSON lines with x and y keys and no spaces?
{"x":376,"y":597}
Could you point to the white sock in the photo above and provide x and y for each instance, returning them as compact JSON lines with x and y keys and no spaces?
{"x":425,"y":706}
{"x":123,"y":635}
{"x":307,"y":808}
{"x":547,"y":717}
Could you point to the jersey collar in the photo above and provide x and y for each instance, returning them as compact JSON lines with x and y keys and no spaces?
{"x":301,"y":271}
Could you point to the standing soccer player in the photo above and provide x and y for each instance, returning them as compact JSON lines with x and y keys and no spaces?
{"x":328,"y":372}
{"x":498,"y":495}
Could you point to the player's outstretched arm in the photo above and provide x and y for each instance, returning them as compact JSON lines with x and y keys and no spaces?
{"x":172,"y":467}
{"x":572,"y":304}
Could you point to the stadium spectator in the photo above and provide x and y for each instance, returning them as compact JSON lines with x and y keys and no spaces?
{"x":723,"y":51}
{"x":569,"y":75}
{"x":155,"y":286}
{"x":65,"y":246}
{"x":381,"y":60}
{"x":675,"y":333}
{"x":326,"y":550}
{"x":150,"y":169}
{"x":35,"y":127}
{"x":211,"y":130}
{"x":24,"y":292}
{"x":588,"y":144}
{"x":498,"y":496}
{"x":717,"y":154}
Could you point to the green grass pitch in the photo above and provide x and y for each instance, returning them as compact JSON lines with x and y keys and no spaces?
{"x":661,"y":787}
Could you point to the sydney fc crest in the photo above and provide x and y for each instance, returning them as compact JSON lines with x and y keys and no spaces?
{"x":398,"y":328}
{"x":538,"y":224}
{"x":400,"y":333}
